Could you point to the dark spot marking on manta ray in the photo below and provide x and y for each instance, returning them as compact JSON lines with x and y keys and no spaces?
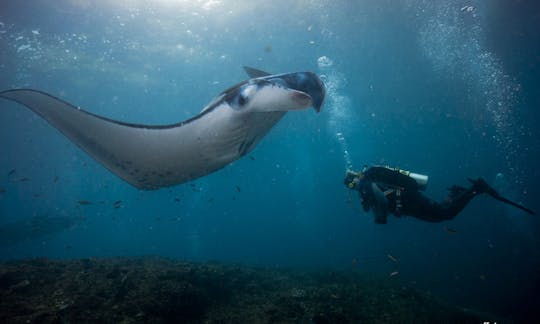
{"x":241,"y":147}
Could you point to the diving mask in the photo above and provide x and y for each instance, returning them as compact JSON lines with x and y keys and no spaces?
{"x":352,"y":179}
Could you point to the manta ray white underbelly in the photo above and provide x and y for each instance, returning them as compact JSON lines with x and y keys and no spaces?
{"x":150,"y":157}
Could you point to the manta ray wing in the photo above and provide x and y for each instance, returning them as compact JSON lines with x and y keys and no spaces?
{"x":255,"y":73}
{"x":148,"y":157}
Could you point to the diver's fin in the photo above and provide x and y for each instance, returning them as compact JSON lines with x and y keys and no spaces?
{"x":483,"y":187}
{"x":508,"y":201}
{"x":255,"y":73}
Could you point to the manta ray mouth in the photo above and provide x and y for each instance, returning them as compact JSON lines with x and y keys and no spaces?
{"x":302,"y":98}
{"x":306,"y":83}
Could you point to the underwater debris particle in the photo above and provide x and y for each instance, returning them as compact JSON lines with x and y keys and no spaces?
{"x":118,"y":204}
{"x":391,"y":257}
{"x":394,"y":273}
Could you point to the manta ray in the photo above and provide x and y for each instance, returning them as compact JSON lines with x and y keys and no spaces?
{"x":155,"y":156}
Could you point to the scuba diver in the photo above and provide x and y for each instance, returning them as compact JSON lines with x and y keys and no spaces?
{"x":391,"y":190}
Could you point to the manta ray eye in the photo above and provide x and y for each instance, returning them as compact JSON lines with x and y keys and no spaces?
{"x":242,"y":99}
{"x":245,"y":94}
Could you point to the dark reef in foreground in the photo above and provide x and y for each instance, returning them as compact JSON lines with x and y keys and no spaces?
{"x":156,"y":290}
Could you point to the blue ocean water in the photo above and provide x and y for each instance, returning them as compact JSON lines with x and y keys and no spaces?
{"x":443,"y":88}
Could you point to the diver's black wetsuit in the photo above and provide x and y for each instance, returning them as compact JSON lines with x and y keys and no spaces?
{"x":404,"y":197}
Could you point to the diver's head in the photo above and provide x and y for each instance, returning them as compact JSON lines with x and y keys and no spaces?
{"x":352,"y":179}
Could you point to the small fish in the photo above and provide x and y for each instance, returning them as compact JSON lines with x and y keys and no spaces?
{"x":117,"y":206}
{"x":252,"y":158}
{"x":11,"y":172}
{"x":394,"y":273}
{"x":56,"y":179}
{"x":391,"y":257}
{"x":238,"y":188}
{"x":84,"y":202}
{"x":2,"y":190}
{"x":22,"y":179}
{"x":177,"y":199}
{"x":118,"y":202}
{"x":450,"y":230}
